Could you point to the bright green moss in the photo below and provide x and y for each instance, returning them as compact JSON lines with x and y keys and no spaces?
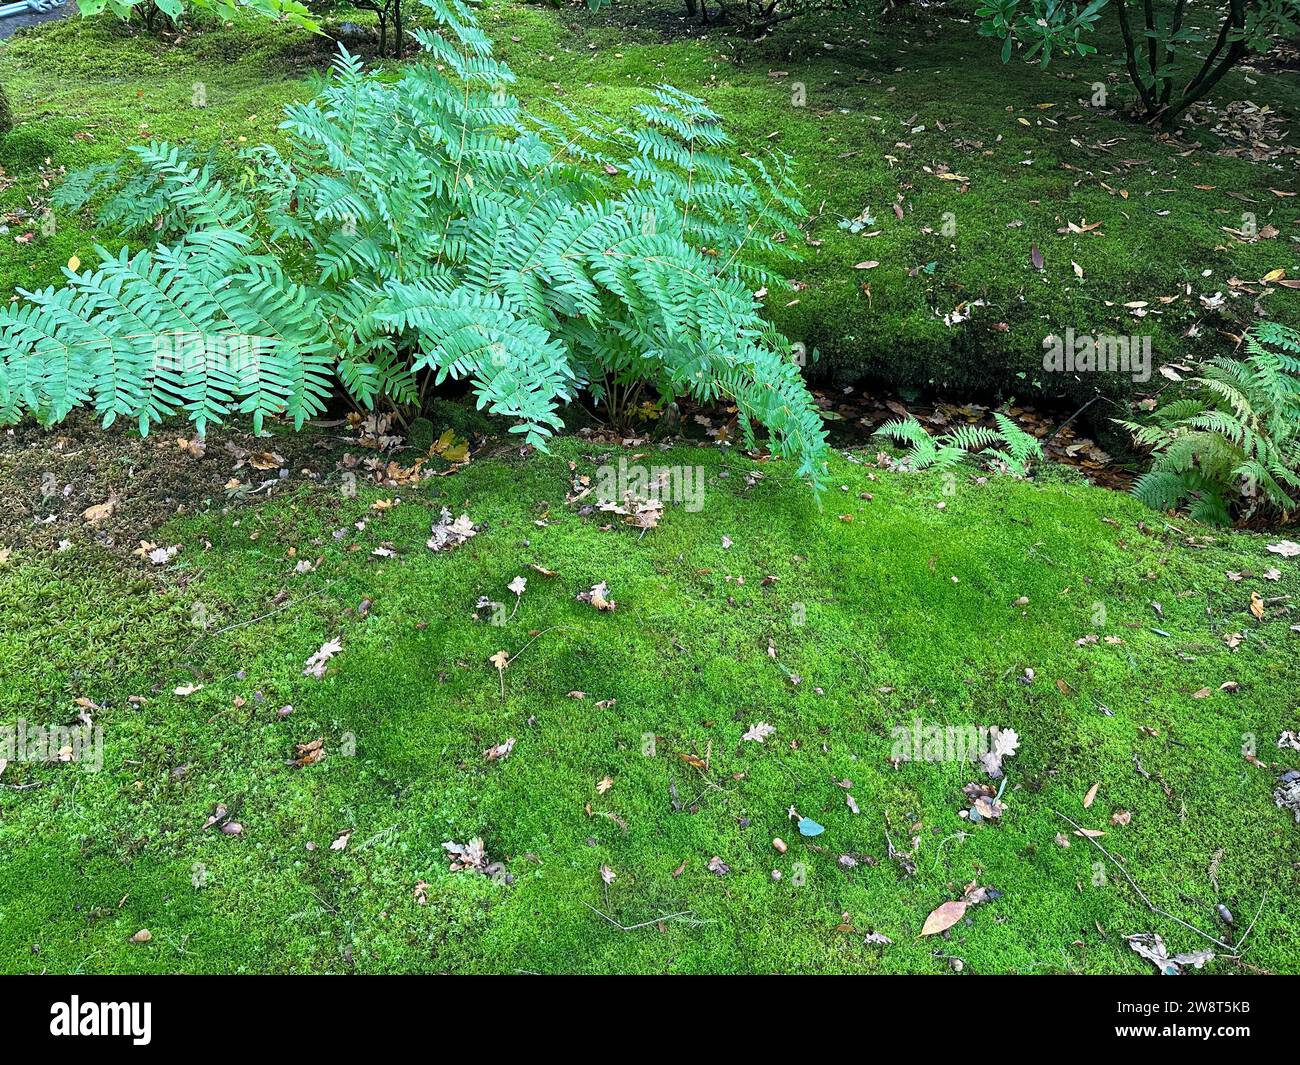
{"x":889,"y":636}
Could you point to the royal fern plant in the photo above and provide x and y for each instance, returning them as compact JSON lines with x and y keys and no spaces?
{"x":1229,"y":448}
{"x":1003,"y":445}
{"x":420,"y":229}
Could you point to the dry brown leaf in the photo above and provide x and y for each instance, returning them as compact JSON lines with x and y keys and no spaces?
{"x":944,"y":917}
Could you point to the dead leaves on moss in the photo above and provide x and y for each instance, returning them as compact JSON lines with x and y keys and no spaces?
{"x":946,"y":915}
{"x":598,"y":597}
{"x":449,"y":533}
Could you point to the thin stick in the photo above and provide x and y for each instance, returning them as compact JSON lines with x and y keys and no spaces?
{"x":643,"y":924}
{"x":1250,"y":926}
{"x":563,"y":628}
{"x":254,"y":621}
{"x":1150,"y":905}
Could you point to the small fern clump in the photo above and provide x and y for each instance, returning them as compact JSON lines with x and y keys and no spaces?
{"x":419,"y":229}
{"x":1231,"y":447}
{"x":1006,"y":445}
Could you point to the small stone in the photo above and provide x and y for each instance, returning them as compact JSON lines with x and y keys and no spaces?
{"x":779,"y":845}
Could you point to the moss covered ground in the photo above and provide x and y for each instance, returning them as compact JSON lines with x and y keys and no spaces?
{"x":833,"y":631}
{"x":840,"y":632}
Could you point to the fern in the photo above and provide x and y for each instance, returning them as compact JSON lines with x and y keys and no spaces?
{"x":1232,"y":448}
{"x":1007,"y":446}
{"x":417,"y":230}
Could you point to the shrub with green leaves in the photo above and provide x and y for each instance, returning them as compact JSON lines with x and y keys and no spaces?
{"x":1231,"y":447}
{"x":755,"y":16}
{"x":420,"y":229}
{"x":1156,"y":38}
{"x":147,"y":12}
{"x":1004,"y":444}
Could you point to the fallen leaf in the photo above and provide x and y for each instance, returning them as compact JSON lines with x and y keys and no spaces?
{"x":944,"y":917}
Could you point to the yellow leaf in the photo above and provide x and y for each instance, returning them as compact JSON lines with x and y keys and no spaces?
{"x":1257,"y":606}
{"x":100,"y":511}
{"x":450,"y":448}
{"x":74,"y":264}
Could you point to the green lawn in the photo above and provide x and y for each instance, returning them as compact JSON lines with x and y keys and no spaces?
{"x":909,"y":612}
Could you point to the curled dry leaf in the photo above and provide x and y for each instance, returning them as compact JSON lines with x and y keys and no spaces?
{"x":638,"y":513}
{"x":449,"y":533}
{"x":1150,"y":946}
{"x":1002,"y":744}
{"x":598,"y":597}
{"x":501,"y":751}
{"x":100,"y":511}
{"x":317,"y":663}
{"x":471,"y":855}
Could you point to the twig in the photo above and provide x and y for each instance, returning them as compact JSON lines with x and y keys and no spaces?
{"x":1056,"y":432}
{"x":959,"y":836}
{"x":525,"y":647}
{"x":253,"y":621}
{"x":1251,"y":926}
{"x":1150,"y":905}
{"x":643,"y":924}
